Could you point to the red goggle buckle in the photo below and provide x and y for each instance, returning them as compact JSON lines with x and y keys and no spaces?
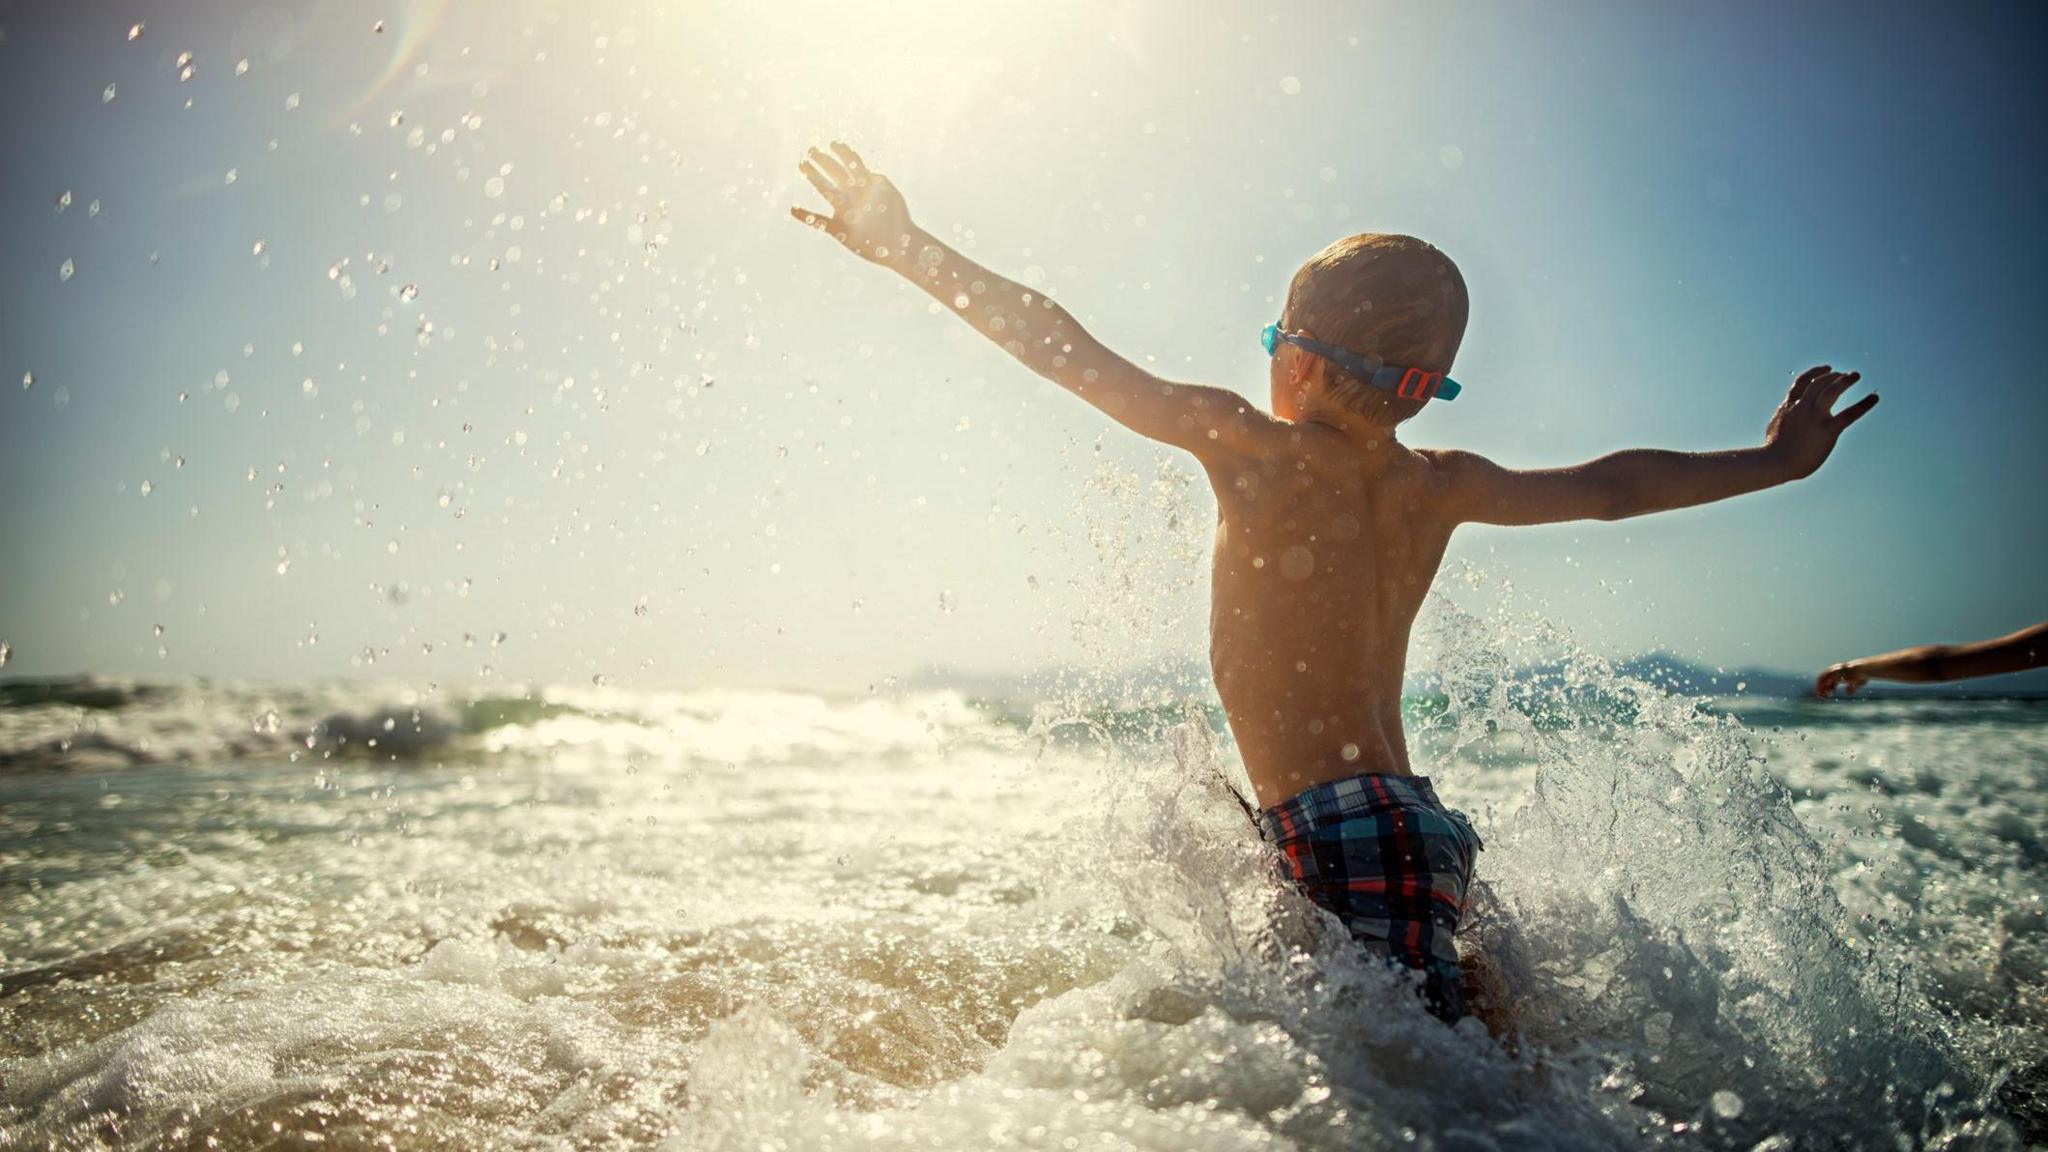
{"x":1418,"y":385}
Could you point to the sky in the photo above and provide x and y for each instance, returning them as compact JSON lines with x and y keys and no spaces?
{"x":446,"y":341}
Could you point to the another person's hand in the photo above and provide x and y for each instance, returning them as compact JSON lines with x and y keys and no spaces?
{"x":1805,"y":427}
{"x":868,"y":213}
{"x":1848,"y":676}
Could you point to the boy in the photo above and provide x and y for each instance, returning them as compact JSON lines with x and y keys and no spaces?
{"x":1329,"y":532}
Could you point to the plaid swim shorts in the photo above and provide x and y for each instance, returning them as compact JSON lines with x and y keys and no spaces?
{"x":1385,"y":856}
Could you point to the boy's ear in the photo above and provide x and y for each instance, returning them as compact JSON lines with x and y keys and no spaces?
{"x":1305,"y":371}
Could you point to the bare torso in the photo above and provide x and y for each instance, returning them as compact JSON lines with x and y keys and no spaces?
{"x":1323,"y":557}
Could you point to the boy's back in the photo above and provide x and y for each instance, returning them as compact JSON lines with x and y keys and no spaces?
{"x":1329,"y":532}
{"x":1324,"y":552}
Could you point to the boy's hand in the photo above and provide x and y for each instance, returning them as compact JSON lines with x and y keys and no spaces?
{"x":868,"y":213}
{"x":1805,"y":427}
{"x":1846,"y":676}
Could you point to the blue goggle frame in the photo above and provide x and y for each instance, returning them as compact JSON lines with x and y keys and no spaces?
{"x":1407,"y":383}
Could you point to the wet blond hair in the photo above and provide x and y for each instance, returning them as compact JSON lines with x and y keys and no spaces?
{"x":1384,"y":295}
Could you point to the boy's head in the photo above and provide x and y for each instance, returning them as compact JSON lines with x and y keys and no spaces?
{"x":1377,"y":294}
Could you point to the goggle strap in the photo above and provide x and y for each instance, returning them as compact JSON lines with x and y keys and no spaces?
{"x":1407,"y":383}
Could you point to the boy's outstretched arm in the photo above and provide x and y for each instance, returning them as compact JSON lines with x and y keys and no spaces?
{"x":1935,"y":663}
{"x":1801,"y":434}
{"x":869,"y":217}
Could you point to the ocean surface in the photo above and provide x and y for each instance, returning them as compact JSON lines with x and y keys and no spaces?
{"x":341,"y":916}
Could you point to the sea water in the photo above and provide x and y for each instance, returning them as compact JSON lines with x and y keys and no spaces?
{"x":355,"y":916}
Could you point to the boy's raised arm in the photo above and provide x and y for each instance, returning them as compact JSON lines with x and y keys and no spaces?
{"x":870,"y":218}
{"x":1801,"y":434}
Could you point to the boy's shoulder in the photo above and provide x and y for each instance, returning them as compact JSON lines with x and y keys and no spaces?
{"x":1307,"y":448}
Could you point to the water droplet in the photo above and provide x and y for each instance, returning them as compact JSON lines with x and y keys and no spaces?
{"x":409,"y":293}
{"x":107,"y":94}
{"x":185,"y":74}
{"x":1297,"y":563}
{"x":266,"y":723}
{"x":66,"y":271}
{"x":148,"y":487}
{"x":242,"y":67}
{"x":63,"y":199}
{"x":6,"y":653}
{"x":1290,"y":85}
{"x":177,"y":461}
{"x":28,"y":381}
{"x":377,"y":27}
{"x":291,"y":102}
{"x":159,"y":631}
{"x":134,"y":32}
{"x":494,"y":187}
{"x":1727,"y":1105}
{"x":232,"y":175}
{"x":1349,"y":752}
{"x":256,"y":249}
{"x":397,"y":118}
{"x":392,"y":547}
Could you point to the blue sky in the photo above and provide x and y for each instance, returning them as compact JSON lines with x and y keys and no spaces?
{"x":636,"y":421}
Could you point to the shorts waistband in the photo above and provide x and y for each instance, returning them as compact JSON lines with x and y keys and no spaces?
{"x":1353,"y":796}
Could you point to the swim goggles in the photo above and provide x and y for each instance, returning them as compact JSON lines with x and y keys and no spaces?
{"x":1407,"y":383}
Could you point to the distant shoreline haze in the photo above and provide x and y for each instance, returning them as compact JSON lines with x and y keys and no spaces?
{"x":1169,"y":679}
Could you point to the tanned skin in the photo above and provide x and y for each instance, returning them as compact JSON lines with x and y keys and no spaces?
{"x":1329,"y":530}
{"x":1938,"y":663}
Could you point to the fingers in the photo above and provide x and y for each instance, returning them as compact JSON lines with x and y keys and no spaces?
{"x":823,"y":224}
{"x":825,"y":187}
{"x":850,"y":158}
{"x":1828,"y":391}
{"x":1805,"y":381}
{"x":1854,"y":412}
{"x":831,"y":167}
{"x":1843,"y":676}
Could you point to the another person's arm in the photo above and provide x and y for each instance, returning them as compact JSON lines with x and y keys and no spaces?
{"x":1801,"y":434}
{"x":870,"y":218}
{"x":1937,"y":663}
